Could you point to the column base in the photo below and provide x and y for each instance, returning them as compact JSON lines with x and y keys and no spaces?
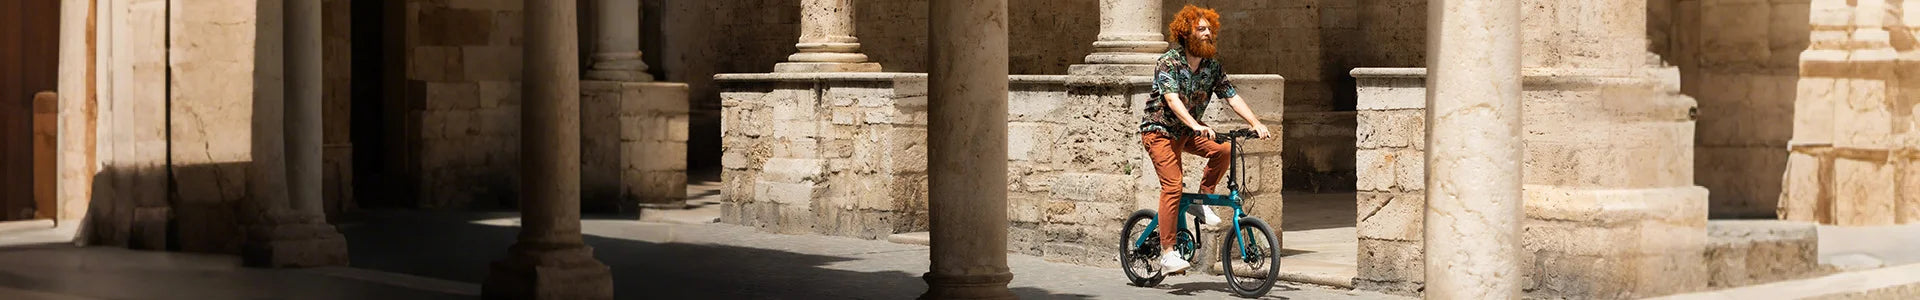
{"x":619,"y":75}
{"x":1129,"y":58}
{"x":824,"y":67}
{"x":1614,"y":242}
{"x":553,"y":272}
{"x":294,"y":242}
{"x":988,"y":286}
{"x":664,"y":205}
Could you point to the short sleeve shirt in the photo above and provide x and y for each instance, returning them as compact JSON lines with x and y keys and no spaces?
{"x":1172,"y":75}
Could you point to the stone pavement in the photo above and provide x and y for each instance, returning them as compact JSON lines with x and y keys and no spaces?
{"x":443,"y":255}
{"x":720,"y":261}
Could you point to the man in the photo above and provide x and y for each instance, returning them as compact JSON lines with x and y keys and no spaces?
{"x":1185,"y":79}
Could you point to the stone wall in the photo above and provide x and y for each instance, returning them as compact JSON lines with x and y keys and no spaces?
{"x":1078,"y":169}
{"x":836,"y":154}
{"x":336,"y":106}
{"x":1313,"y":43}
{"x":130,"y":204}
{"x":1390,"y":163}
{"x":633,"y":139}
{"x":844,"y":154}
{"x":1739,"y":59}
{"x":1610,"y":211}
{"x":1320,"y":151}
{"x":463,"y":72}
{"x":213,"y":88}
{"x":1854,"y":143}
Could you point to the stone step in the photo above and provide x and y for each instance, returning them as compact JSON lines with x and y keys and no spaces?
{"x":911,"y":238}
{"x":1749,"y":252}
{"x":693,"y":213}
{"x":1898,"y":282}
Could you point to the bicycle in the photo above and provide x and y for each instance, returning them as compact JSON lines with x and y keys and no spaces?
{"x":1258,"y":253}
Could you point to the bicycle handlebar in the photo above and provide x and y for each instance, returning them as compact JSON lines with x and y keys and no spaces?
{"x":1235,"y":134}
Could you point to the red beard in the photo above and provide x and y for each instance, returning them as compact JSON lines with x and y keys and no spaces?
{"x":1202,"y":49}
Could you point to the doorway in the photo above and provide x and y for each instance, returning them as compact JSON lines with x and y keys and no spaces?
{"x":381,"y":156}
{"x":29,"y":64}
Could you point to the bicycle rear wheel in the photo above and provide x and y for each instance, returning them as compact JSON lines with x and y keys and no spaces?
{"x":1251,"y":268}
{"x":1138,"y":261}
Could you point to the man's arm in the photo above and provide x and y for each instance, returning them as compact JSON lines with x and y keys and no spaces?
{"x":1240,"y":107}
{"x":1180,"y":110}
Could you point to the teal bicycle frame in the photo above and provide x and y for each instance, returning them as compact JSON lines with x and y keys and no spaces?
{"x":1231,"y":199}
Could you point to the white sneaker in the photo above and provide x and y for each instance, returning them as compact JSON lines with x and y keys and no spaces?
{"x":1171,"y":263}
{"x":1212,"y":219}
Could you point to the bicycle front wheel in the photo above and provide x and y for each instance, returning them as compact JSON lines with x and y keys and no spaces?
{"x":1250,"y":257}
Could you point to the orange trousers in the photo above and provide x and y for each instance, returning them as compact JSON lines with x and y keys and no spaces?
{"x":1165,"y":151}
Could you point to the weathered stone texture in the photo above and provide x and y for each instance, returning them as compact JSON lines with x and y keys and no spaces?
{"x":836,"y":156}
{"x":1738,"y":59}
{"x":1748,"y":252}
{"x":1620,"y":243}
{"x":1592,"y":230}
{"x":844,"y":154}
{"x":633,"y":145}
{"x":463,"y":71}
{"x":1853,"y":132}
{"x":1390,"y":167}
{"x":213,"y":65}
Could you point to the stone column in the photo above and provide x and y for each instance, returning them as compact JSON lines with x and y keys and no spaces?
{"x":1130,"y":39}
{"x":291,"y":227}
{"x":1472,"y":238}
{"x":550,"y":260}
{"x":304,"y":84}
{"x":967,"y":150}
{"x":826,"y":40}
{"x":618,"y":55}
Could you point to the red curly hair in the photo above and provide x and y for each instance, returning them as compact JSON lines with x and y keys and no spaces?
{"x":1182,"y":26}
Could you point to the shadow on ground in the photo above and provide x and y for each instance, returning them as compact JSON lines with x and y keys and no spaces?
{"x":1305,"y":211}
{"x":451,"y":246}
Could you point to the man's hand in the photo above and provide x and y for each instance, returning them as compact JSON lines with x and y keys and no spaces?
{"x":1261,"y":130}
{"x":1203,"y":131}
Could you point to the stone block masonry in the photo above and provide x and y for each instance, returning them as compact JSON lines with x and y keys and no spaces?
{"x":1389,"y":165}
{"x":826,"y":153}
{"x":1590,"y":230}
{"x":1739,"y":59}
{"x":844,"y":154}
{"x":633,"y":138}
{"x":463,"y":71}
{"x":1853,"y":139}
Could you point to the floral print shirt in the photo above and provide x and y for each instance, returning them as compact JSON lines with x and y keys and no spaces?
{"x":1172,"y":75}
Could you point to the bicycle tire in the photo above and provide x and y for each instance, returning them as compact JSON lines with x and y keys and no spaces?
{"x":1143,"y":256}
{"x":1265,"y":249}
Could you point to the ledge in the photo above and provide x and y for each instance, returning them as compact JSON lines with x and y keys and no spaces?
{"x":847,"y":76}
{"x":1388,"y":72}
